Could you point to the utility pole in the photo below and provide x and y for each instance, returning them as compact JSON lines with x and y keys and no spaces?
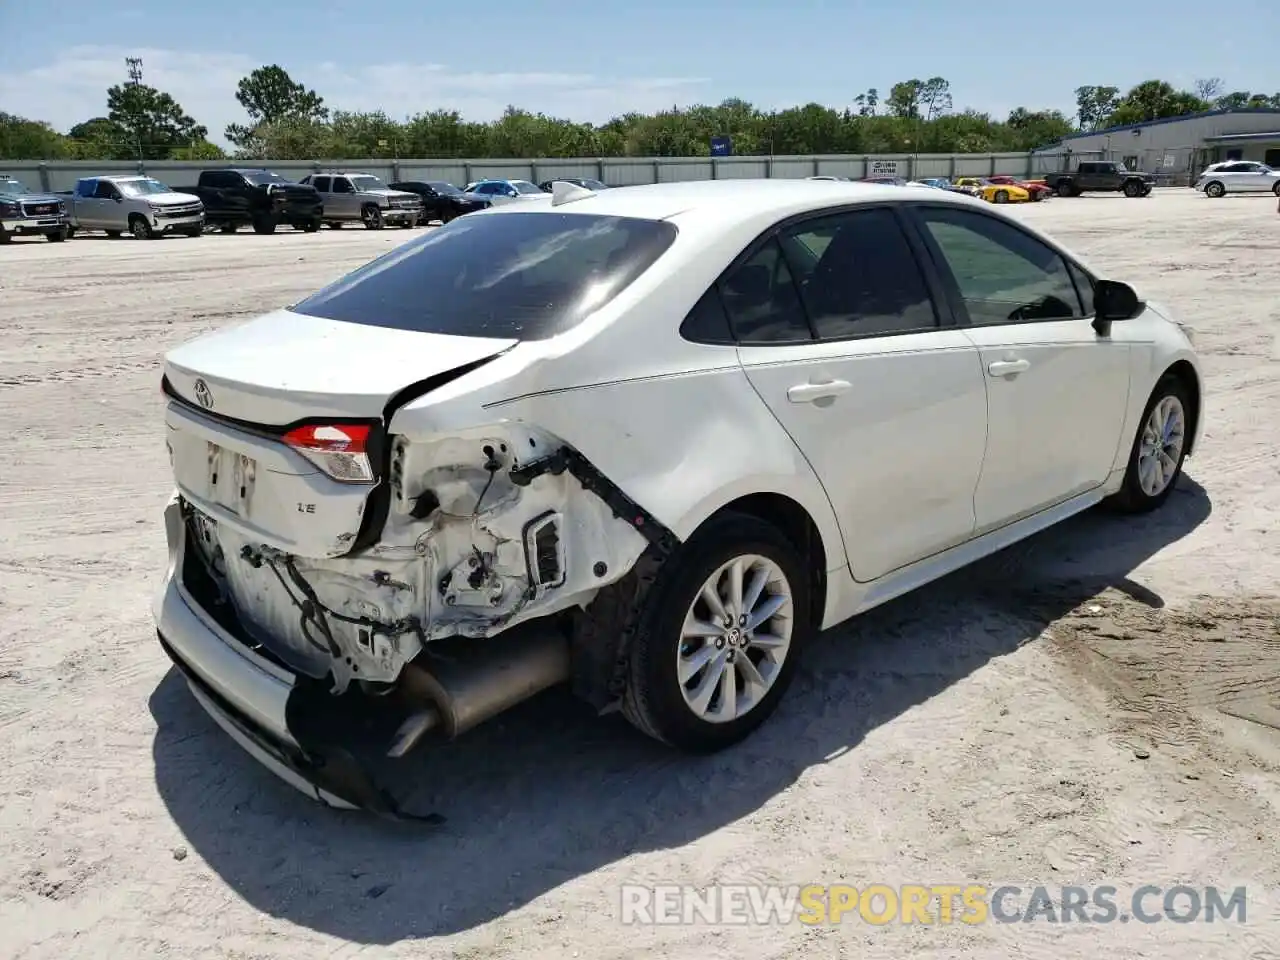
{"x":135,"y":79}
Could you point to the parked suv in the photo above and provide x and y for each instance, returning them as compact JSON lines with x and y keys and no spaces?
{"x":143,"y":206}
{"x":363,"y":197}
{"x":27,"y":214}
{"x":1238,"y":176}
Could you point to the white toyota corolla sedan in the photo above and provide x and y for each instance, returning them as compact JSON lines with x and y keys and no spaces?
{"x":643,"y":442}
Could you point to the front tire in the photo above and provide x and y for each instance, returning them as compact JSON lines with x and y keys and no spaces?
{"x":372,"y":217}
{"x":58,"y":236}
{"x":1155,"y":459}
{"x":718,"y":636}
{"x":264,"y":224}
{"x":1276,"y":188}
{"x":140,"y":229}
{"x":1133,"y":189}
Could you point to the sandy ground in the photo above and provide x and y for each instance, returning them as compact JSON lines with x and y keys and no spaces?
{"x":1096,"y":706}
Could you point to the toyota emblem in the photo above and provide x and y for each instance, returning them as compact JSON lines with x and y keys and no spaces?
{"x":204,"y":396}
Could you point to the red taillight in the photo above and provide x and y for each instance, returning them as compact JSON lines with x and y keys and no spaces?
{"x":340,"y":450}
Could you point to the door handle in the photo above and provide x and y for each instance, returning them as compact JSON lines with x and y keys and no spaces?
{"x":811,"y":392}
{"x":1006,"y":368}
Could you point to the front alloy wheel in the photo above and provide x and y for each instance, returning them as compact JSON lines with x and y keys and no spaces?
{"x":1155,"y":460}
{"x":717,"y":635}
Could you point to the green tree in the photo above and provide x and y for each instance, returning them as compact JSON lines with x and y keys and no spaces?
{"x":1244,"y":100}
{"x":23,"y":139}
{"x":904,"y":98}
{"x":867,"y":103}
{"x":935,"y":98}
{"x":1029,"y":129}
{"x":270,"y":96}
{"x":1155,"y":100}
{"x":1094,"y":106}
{"x":154,"y":124}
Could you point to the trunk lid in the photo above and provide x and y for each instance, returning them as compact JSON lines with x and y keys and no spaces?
{"x":236,"y":393}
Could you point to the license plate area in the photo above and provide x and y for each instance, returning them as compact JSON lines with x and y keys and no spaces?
{"x":231,"y":478}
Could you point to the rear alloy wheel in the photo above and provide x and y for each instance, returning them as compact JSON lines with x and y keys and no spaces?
{"x":1214,"y":189}
{"x":1155,"y":460}
{"x":140,"y":229}
{"x":372,"y":217}
{"x":718,"y":636}
{"x":1133,"y":189}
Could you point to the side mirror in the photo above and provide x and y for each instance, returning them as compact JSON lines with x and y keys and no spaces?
{"x":118,"y":199}
{"x":1112,"y":301}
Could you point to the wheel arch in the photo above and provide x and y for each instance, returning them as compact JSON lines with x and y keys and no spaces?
{"x":794,"y":522}
{"x":1189,"y":377}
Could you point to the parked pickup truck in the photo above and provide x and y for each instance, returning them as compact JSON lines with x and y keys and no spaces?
{"x":364,"y":198}
{"x":144,"y":207}
{"x":261,"y":199}
{"x":1100,"y":176}
{"x":27,"y":214}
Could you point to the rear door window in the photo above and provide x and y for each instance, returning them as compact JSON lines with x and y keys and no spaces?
{"x":321,"y":184}
{"x":858,"y":276}
{"x":527,"y":277}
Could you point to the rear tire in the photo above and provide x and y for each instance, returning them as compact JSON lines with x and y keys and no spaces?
{"x":701,"y":686}
{"x":1066,"y":188}
{"x":1158,"y":450}
{"x":335,"y":224}
{"x":229,"y":227}
{"x":1002,"y":196}
{"x":1276,"y":188}
{"x":311,"y":226}
{"x":113,"y":234}
{"x":5,"y":236}
{"x":1214,"y":189}
{"x":264,"y":224}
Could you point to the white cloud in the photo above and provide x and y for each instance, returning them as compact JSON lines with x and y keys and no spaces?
{"x":72,"y":88}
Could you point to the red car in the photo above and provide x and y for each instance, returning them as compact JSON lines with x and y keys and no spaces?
{"x":1038,"y":191}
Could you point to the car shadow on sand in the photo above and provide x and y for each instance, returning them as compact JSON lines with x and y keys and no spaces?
{"x":547,"y":793}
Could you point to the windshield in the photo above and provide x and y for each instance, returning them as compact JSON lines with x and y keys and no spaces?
{"x":524,"y":186}
{"x":11,"y":186}
{"x":365,"y":182}
{"x":527,"y":277}
{"x":439,"y":186}
{"x":140,"y":188}
{"x":260,"y":178}
{"x":594,"y":184}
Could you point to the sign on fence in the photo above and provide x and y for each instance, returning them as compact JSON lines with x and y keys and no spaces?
{"x":1170,"y":159}
{"x":722,"y":146}
{"x":883,"y":168}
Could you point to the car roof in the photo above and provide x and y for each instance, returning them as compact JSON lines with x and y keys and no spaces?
{"x":731,"y":200}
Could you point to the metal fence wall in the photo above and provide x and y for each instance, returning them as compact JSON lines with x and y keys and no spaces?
{"x":615,"y":171}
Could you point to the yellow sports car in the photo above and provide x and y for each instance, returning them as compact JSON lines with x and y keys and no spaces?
{"x":995,"y":192}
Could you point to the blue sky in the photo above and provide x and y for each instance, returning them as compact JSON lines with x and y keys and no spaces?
{"x":589,"y":61}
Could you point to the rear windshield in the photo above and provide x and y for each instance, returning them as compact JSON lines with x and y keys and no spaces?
{"x":525,"y":276}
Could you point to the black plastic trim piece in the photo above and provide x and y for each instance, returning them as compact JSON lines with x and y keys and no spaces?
{"x":593,"y":481}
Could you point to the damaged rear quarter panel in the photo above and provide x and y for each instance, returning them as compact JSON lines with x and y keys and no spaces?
{"x":684,"y":445}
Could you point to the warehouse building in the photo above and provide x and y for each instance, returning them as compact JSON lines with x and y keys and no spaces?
{"x":1177,"y":147}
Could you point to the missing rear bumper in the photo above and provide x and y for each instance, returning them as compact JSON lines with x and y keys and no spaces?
{"x":323,"y":759}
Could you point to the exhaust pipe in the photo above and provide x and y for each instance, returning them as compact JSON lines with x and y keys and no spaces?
{"x":488,"y":676}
